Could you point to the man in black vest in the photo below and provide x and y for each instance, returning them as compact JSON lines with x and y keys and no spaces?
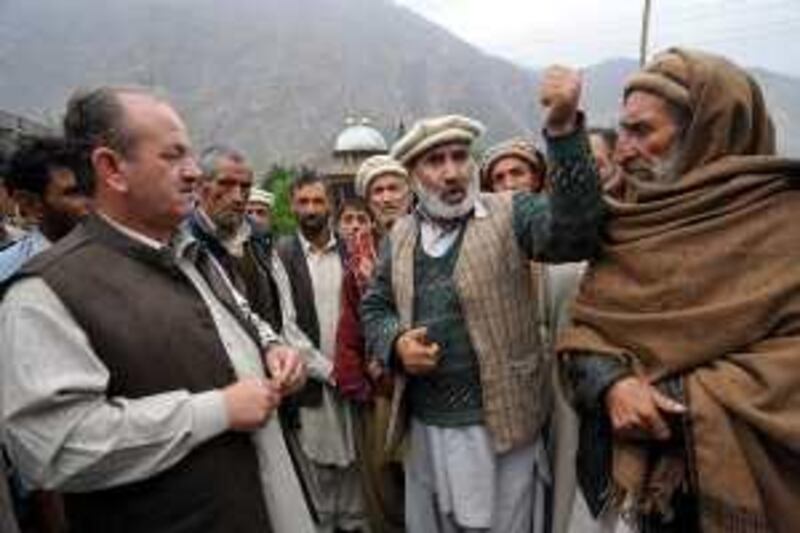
{"x":313,"y":258}
{"x":133,"y":378}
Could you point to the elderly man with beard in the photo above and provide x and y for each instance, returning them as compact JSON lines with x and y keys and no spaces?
{"x":244,"y":249}
{"x":684,"y":356}
{"x":452,"y":310}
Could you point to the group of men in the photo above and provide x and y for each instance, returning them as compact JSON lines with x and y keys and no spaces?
{"x":410,"y":362}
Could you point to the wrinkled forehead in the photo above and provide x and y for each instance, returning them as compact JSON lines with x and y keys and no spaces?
{"x":442,"y":150}
{"x":386,"y":179}
{"x":233,"y":168}
{"x":642,"y":106}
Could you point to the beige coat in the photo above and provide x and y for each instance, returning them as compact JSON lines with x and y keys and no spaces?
{"x":499,"y":303}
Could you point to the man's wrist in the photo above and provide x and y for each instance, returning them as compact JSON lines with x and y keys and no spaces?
{"x":209,"y":416}
{"x":563,"y":128}
{"x":592,"y":375}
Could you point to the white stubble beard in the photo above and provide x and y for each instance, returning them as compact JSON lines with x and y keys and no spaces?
{"x":435,"y":207}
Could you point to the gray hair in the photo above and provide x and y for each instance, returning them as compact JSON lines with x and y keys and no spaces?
{"x":209,"y":158}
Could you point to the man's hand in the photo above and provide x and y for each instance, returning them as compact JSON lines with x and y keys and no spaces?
{"x":417,"y":353}
{"x":287,"y":368}
{"x":560,"y":94}
{"x":635,"y":408}
{"x":250,"y":402}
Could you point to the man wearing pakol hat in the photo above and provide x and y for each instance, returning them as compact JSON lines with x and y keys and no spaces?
{"x":517,"y":165}
{"x":684,"y":356}
{"x":383,"y":183}
{"x":451,"y":308}
{"x":259,"y":209}
{"x":513,"y":165}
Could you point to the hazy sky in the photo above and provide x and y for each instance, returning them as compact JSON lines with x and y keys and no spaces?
{"x":762,"y":33}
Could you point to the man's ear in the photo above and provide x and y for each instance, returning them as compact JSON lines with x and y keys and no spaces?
{"x":30,"y":204}
{"x":109,"y":168}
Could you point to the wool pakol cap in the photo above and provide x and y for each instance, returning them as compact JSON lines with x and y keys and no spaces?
{"x":519,"y":148}
{"x":377,"y":165}
{"x":431,"y":132}
{"x":667,"y":76}
{"x":260,"y":196}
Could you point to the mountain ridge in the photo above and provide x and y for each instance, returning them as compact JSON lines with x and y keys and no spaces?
{"x":279,"y":78}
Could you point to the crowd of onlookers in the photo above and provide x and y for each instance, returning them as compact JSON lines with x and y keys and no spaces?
{"x":594,"y":334}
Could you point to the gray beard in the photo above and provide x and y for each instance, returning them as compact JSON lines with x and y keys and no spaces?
{"x":663,"y":172}
{"x":436,"y":208}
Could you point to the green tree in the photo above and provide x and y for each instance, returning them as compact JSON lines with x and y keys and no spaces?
{"x":278,"y":180}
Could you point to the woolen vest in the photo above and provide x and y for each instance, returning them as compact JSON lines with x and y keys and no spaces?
{"x":499,"y":305}
{"x":449,"y":395}
{"x":151,"y":329}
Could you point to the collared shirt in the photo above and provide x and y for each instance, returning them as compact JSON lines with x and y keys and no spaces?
{"x":436,"y":240}
{"x":16,"y":255}
{"x":327,"y":432}
{"x":77,"y":439}
{"x":326,"y":272}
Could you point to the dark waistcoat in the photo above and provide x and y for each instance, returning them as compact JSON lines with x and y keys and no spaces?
{"x":151,"y":329}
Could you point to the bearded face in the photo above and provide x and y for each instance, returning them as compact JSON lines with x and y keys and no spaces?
{"x":224,"y":196}
{"x":655,"y":169}
{"x":648,"y":149}
{"x":446,"y":181}
{"x":312,"y":208}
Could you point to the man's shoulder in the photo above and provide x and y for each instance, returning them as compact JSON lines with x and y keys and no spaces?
{"x":60,"y":251}
{"x":13,"y":256}
{"x":37,"y":264}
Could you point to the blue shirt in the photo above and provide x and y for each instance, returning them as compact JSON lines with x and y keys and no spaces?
{"x":16,"y":255}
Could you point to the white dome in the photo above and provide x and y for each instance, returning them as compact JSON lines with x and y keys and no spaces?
{"x":360,"y":138}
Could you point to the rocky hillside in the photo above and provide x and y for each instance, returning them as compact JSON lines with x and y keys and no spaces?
{"x":278,"y":77}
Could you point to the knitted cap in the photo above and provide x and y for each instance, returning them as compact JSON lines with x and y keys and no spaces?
{"x":518,"y":147}
{"x":260,"y":196}
{"x":375,"y":166}
{"x":431,"y":132}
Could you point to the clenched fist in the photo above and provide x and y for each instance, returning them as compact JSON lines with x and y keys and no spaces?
{"x":417,"y":353}
{"x":250,"y":402}
{"x":560,"y":94}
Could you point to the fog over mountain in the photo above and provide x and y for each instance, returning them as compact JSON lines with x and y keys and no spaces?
{"x":279,"y":77}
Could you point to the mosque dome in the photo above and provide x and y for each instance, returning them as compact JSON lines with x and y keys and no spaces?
{"x":361,"y":137}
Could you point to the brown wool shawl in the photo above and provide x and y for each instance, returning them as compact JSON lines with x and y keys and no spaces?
{"x":701,"y":279}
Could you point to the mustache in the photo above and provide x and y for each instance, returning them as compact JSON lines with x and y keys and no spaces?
{"x":313,"y":221}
